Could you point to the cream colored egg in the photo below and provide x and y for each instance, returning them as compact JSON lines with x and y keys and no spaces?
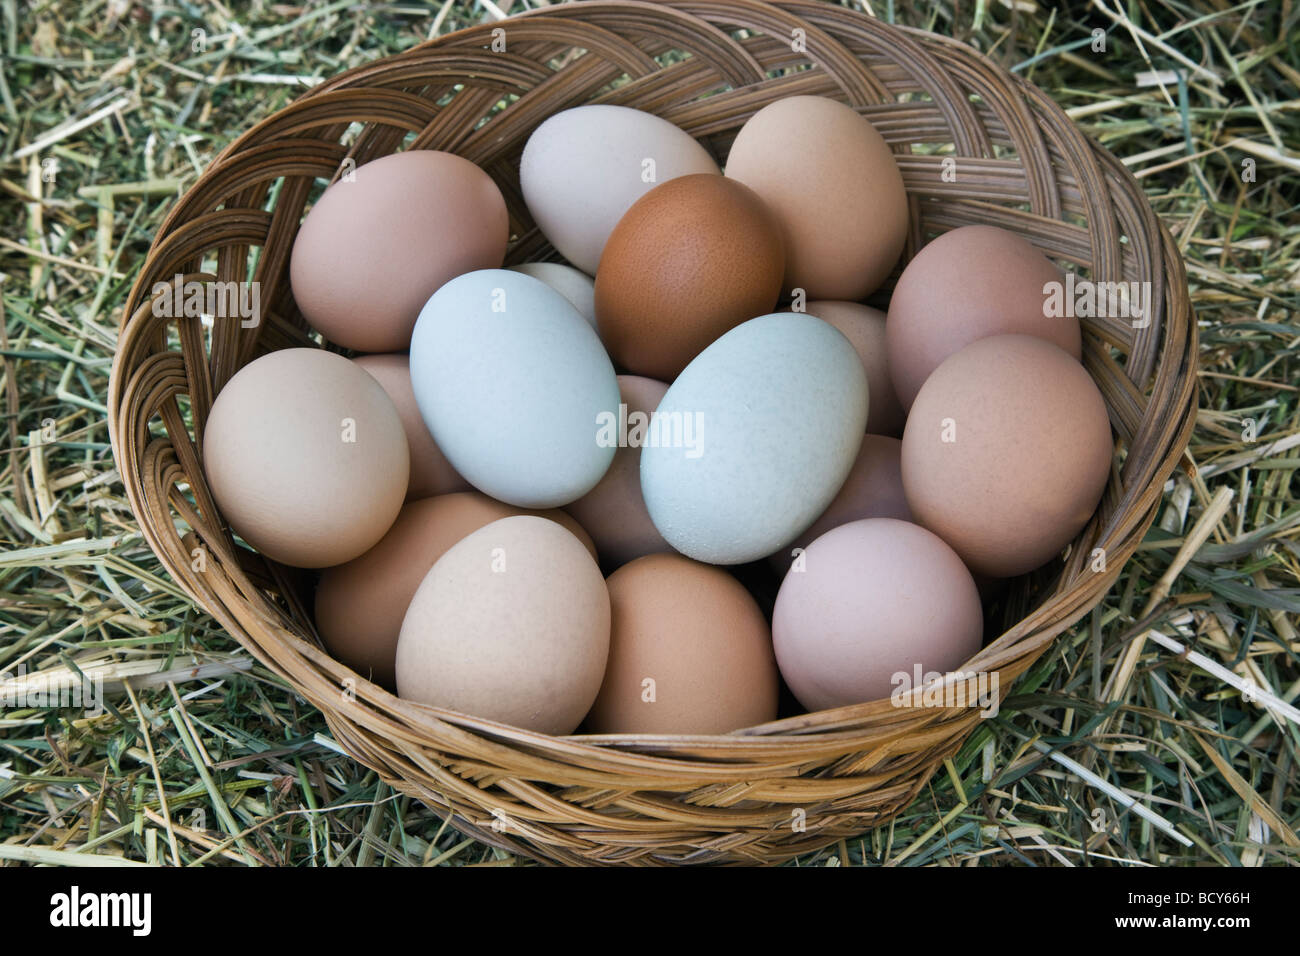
{"x":306,"y":457}
{"x":512,"y":625}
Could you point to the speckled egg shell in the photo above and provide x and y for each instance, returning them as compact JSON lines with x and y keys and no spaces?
{"x":691,"y":259}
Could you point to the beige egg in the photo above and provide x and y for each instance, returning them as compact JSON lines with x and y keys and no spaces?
{"x":431,"y":473}
{"x":690,"y":652}
{"x":360,"y":605}
{"x":376,"y":246}
{"x":967,"y":284}
{"x":832,"y":181}
{"x":511,"y":625}
{"x":1006,"y":453}
{"x":865,"y":328}
{"x":614,"y":513}
{"x":876,"y":599}
{"x":306,"y":457}
{"x":874,"y":489}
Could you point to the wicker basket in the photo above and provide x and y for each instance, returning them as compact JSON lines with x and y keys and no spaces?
{"x":760,"y":795}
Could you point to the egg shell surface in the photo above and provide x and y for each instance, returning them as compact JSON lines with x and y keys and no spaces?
{"x":512,"y":383}
{"x":692,"y":258}
{"x":613,"y":512}
{"x":873,"y":489}
{"x":306,"y":457}
{"x":512,"y":625}
{"x":754,"y":439}
{"x":690,"y":652}
{"x":582,"y":169}
{"x":832,"y":181}
{"x":1007,"y":452}
{"x":578,"y":287}
{"x":431,"y":473}
{"x":360,"y":605}
{"x":375,"y":247}
{"x":876,"y":598}
{"x":967,"y":284}
{"x":865,"y":328}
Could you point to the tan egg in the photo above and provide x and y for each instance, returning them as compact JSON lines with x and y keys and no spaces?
{"x":374,"y":248}
{"x":690,"y":652}
{"x":833,"y":183}
{"x":966,"y":284}
{"x":691,"y":259}
{"x":865,"y":328}
{"x":306,"y":457}
{"x":613,"y":512}
{"x":1006,"y":453}
{"x":360,"y":605}
{"x":511,"y":625}
{"x":874,"y":489}
{"x":431,"y":473}
{"x":876,"y":600}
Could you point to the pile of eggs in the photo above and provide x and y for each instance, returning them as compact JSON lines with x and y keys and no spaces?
{"x":529,"y":489}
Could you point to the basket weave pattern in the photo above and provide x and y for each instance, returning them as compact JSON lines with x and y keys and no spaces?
{"x":761,"y":795}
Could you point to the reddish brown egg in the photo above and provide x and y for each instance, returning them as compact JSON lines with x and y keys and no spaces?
{"x":965,"y":285}
{"x":1006,"y":453}
{"x":689,"y":652}
{"x":691,"y":259}
{"x":360,"y":605}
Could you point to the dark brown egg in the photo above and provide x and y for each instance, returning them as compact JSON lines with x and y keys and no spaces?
{"x":691,"y":259}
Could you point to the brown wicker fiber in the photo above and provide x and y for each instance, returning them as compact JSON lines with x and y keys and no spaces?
{"x":759,"y":795}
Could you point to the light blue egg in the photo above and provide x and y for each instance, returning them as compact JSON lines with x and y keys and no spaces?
{"x":754,"y":438}
{"x":514,"y":384}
